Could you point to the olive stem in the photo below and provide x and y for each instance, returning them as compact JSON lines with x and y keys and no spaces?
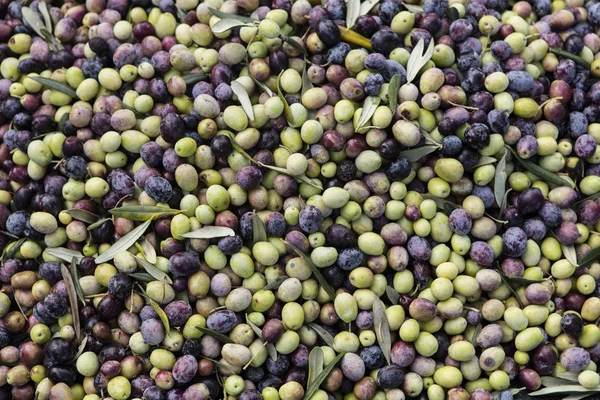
{"x":254,"y":356}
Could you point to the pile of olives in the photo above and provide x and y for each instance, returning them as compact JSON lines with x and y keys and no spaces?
{"x":299,"y":200}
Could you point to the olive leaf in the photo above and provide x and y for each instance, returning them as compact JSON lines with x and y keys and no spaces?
{"x":475,"y":334}
{"x":43,"y":9}
{"x":352,"y":37}
{"x":240,"y":92}
{"x":352,"y":12}
{"x":72,"y":293}
{"x":210,"y":232}
{"x":569,"y":253}
{"x":275,"y":283}
{"x":323,"y":334}
{"x":392,"y":294}
{"x":161,"y":314}
{"x":382,"y":329}
{"x":219,"y":336}
{"x":193,"y":77}
{"x":393,"y":89}
{"x":97,"y":223}
{"x":75,"y":276}
{"x":302,"y":178}
{"x":289,"y":116}
{"x":564,"y":389}
{"x":143,"y":213}
{"x":33,"y":20}
{"x":413,"y":8}
{"x":539,"y":171}
{"x":271,"y":350}
{"x":294,"y":43}
{"x":181,"y":14}
{"x":223,"y":15}
{"x":366,"y":6}
{"x":316,"y":359}
{"x":142,"y":276}
{"x":262,"y":86}
{"x":258,"y":229}
{"x":571,"y":56}
{"x":322,"y":281}
{"x":579,"y":396}
{"x":569,"y":376}
{"x":484,"y":160}
{"x":369,"y":107}
{"x":506,"y":281}
{"x":14,"y":249}
{"x":153,"y":270}
{"x":80,"y":349}
{"x":306,"y":83}
{"x":500,"y":180}
{"x":82,"y":215}
{"x":441,"y":203}
{"x":123,"y":243}
{"x":414,"y":155}
{"x":550,"y":381}
{"x":316,"y":383}
{"x":147,"y":250}
{"x":58,"y":86}
{"x":64,"y":254}
{"x":418,"y":59}
{"x":590,"y":257}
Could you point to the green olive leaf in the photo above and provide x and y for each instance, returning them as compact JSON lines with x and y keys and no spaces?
{"x":43,"y":8}
{"x":33,"y":20}
{"x":262,"y":86}
{"x":181,"y":14}
{"x":143,"y":213}
{"x":564,"y":389}
{"x":569,"y":253}
{"x":539,"y":171}
{"x":289,"y":116}
{"x":590,"y":257}
{"x":392,"y":294}
{"x":418,"y":59}
{"x":97,"y":224}
{"x":382,"y":329}
{"x":223,"y":15}
{"x":500,"y":180}
{"x":322,"y":281}
{"x":219,"y":336}
{"x":366,"y":6}
{"x":483,"y":160}
{"x":414,"y":155}
{"x":441,"y":203}
{"x":75,"y":276}
{"x":240,"y":92}
{"x":161,"y":314}
{"x":316,"y":360}
{"x":393,"y":89}
{"x":352,"y":12}
{"x":72,"y":293}
{"x":294,"y":43}
{"x":569,"y":376}
{"x":276,"y":282}
{"x":55,"y":85}
{"x":82,"y":215}
{"x":413,"y":8}
{"x":323,"y":334}
{"x":316,"y":383}
{"x":123,"y":243}
{"x":64,"y":254}
{"x":14,"y":249}
{"x":193,"y":78}
{"x":153,"y":270}
{"x":475,"y":334}
{"x":306,"y":83}
{"x":302,"y":178}
{"x":271,"y":350}
{"x":143,"y":277}
{"x":579,"y":396}
{"x":147,"y":250}
{"x":258,"y":229}
{"x":210,"y":232}
{"x":369,"y":108}
{"x":571,"y":56}
{"x":80,"y":349}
